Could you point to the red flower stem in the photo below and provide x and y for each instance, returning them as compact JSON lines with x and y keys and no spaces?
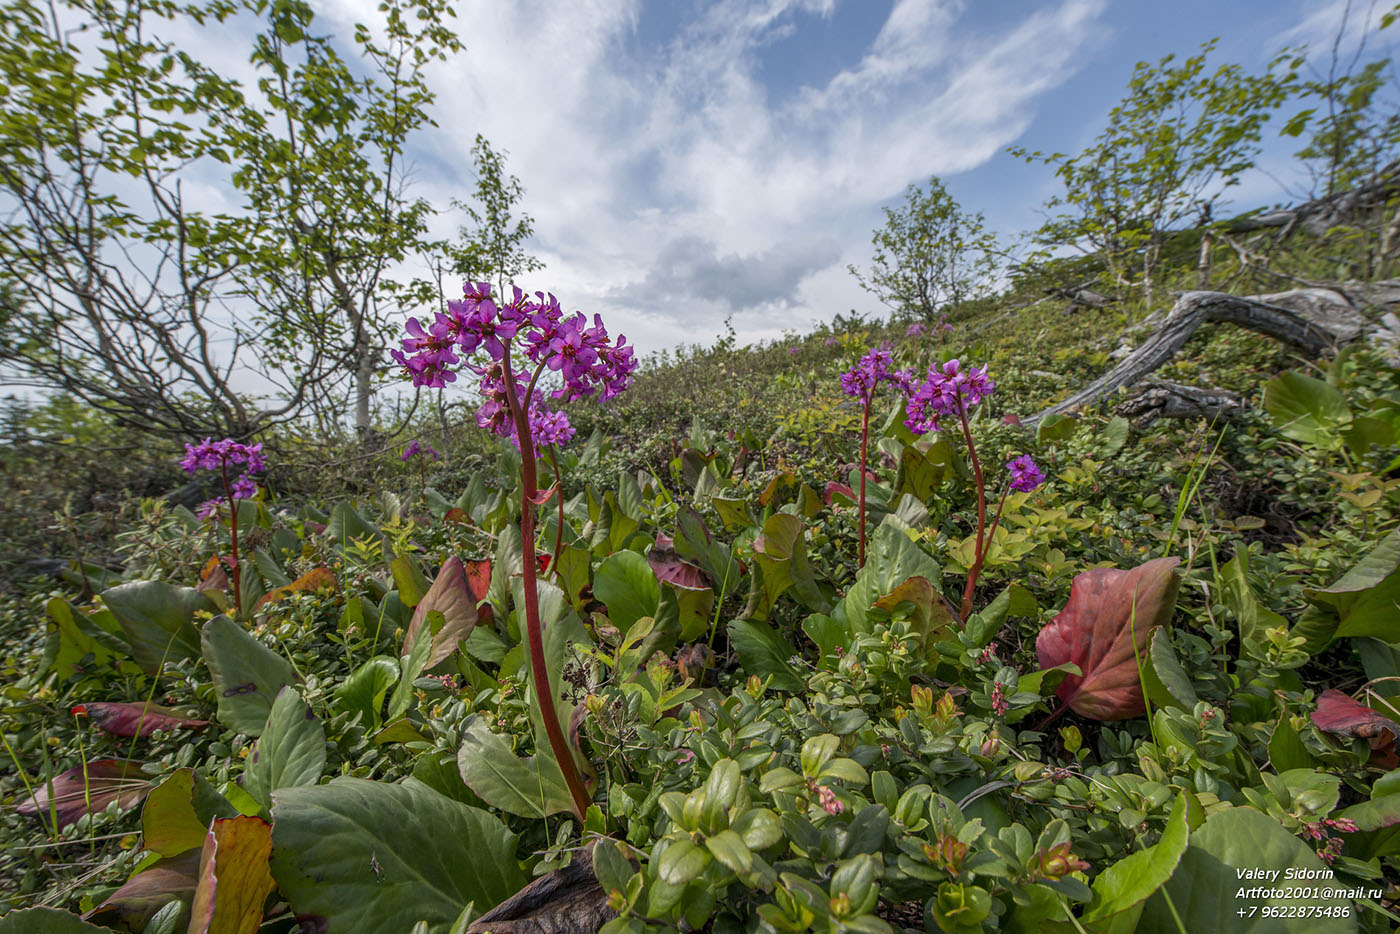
{"x":233,"y":534}
{"x":864,"y":447}
{"x":981,"y":505}
{"x":976,"y":569}
{"x":559,"y":531}
{"x":534,"y":635}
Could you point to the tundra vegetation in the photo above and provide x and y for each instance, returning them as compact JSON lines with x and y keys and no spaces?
{"x":1062,"y":598}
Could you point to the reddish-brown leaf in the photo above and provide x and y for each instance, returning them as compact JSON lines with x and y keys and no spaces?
{"x":131,"y":907}
{"x":1339,"y":713}
{"x":454,"y":593}
{"x":671,"y":568}
{"x":312,"y":580}
{"x":106,"y":780}
{"x":1104,"y":630}
{"x":130,"y":719}
{"x":457,"y":515}
{"x":835,"y":490}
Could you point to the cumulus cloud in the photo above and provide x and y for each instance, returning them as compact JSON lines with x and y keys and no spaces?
{"x":673,"y":179}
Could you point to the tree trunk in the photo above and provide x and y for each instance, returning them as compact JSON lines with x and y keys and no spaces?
{"x":1315,"y":328}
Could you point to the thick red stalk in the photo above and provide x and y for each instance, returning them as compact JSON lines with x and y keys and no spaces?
{"x":559,"y":529}
{"x":864,"y":444}
{"x":233,"y":534}
{"x":981,"y":506}
{"x":534,"y":634}
{"x":976,"y":569}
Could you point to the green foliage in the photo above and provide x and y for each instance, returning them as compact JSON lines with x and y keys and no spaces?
{"x":930,"y":255}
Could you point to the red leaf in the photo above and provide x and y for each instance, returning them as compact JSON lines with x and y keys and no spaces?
{"x":674,"y":570}
{"x":107,"y":780}
{"x":454,"y":593}
{"x":132,"y":906}
{"x":128,"y":719}
{"x":543,"y":496}
{"x":1104,"y":630}
{"x":1338,"y":713}
{"x":456,"y":515}
{"x":1010,"y":419}
{"x":834,"y":489}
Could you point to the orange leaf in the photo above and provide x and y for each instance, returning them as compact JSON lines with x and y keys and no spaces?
{"x":314,"y":579}
{"x":234,"y":878}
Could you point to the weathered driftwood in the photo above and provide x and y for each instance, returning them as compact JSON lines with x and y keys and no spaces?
{"x":1320,"y":215}
{"x":565,"y":901}
{"x":1312,"y":321}
{"x":1161,"y":399}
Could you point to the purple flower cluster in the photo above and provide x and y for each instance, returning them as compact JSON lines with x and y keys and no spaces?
{"x":948,"y":390}
{"x":415,"y":449}
{"x":586,"y":358}
{"x":873,"y":369}
{"x":1025,"y":475}
{"x":220,"y":455}
{"x":917,"y":329}
{"x":216,"y":455}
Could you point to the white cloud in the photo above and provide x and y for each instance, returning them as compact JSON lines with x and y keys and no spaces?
{"x":673,"y":185}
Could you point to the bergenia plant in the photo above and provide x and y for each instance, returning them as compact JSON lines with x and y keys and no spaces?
{"x":221,"y":456}
{"x":873,"y":369}
{"x":949,"y":391}
{"x":422,"y":451}
{"x":588,"y":363}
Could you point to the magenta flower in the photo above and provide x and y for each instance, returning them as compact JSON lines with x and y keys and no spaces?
{"x":1025,"y":475}
{"x":948,"y":390}
{"x":415,"y":449}
{"x":917,"y":329}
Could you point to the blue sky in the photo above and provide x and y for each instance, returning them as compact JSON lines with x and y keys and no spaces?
{"x":686,"y":161}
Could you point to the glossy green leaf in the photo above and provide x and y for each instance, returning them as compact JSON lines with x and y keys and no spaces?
{"x":291,"y":750}
{"x":530,"y":787}
{"x":628,"y":587}
{"x":361,"y":857}
{"x":763,"y":651}
{"x":1305,"y":409}
{"x":247,"y":674}
{"x":364,"y":691}
{"x":158,"y":620}
{"x":1204,"y":889}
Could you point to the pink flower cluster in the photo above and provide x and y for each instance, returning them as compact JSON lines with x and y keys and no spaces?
{"x":947,"y":390}
{"x":1025,"y":475}
{"x":874,"y":368}
{"x":586,"y":358}
{"x":416,"y":449}
{"x":220,"y":455}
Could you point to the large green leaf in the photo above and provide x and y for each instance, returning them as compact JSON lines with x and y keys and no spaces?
{"x":364,"y":691}
{"x":628,"y":587}
{"x":1363,"y":602}
{"x":891,"y":560}
{"x":177,"y":813}
{"x":47,"y":921}
{"x":529,"y":787}
{"x":346,"y":525}
{"x":290,"y":752}
{"x":1305,"y":409}
{"x":247,"y":674}
{"x":1121,"y":890}
{"x":362,"y":857}
{"x":1205,"y":889}
{"x":158,"y":620}
{"x":780,"y":552}
{"x":1253,"y":616}
{"x":77,"y":646}
{"x":763,"y":651}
